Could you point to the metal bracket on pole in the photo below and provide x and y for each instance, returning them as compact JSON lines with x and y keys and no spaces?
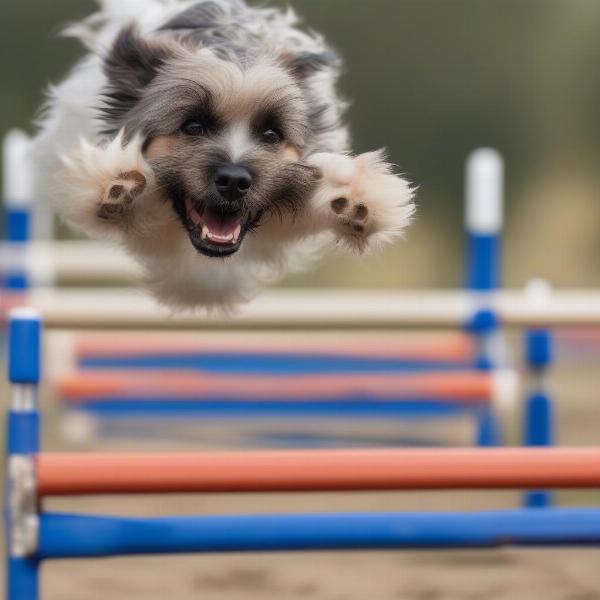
{"x":22,"y":507}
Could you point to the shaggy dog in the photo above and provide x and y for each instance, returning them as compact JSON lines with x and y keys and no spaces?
{"x":206,"y":137}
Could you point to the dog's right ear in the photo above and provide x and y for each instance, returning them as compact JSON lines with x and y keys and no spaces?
{"x":302,"y":65}
{"x":130,"y":65}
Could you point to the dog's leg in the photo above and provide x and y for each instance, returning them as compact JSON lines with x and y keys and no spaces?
{"x":360,"y":200}
{"x":100,"y":187}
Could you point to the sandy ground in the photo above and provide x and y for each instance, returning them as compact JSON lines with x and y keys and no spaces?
{"x":506,"y":574}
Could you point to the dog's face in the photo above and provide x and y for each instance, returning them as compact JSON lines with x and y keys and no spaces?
{"x":224,"y":140}
{"x":225,"y":143}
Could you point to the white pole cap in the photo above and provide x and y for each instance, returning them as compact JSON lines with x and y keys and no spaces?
{"x":484,"y":191}
{"x":16,"y":169}
{"x":538,"y":293}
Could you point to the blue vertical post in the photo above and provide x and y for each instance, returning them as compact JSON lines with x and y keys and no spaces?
{"x":484,"y":193}
{"x":22,"y":444}
{"x":18,"y":195}
{"x":538,"y":418}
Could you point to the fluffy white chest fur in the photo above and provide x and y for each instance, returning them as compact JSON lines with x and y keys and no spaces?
{"x":207,"y":139}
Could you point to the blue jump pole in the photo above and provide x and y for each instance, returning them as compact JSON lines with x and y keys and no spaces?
{"x":484,"y":191}
{"x":22,"y":443}
{"x":17,"y":204}
{"x":538,"y":417}
{"x":80,"y":536}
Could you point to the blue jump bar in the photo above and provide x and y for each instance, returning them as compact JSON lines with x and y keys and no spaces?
{"x":276,"y":364}
{"x":235,"y":409}
{"x":79,"y":536}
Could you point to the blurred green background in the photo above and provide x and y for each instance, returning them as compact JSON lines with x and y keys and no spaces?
{"x":431,"y":80}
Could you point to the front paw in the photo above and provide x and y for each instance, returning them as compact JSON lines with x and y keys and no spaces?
{"x":119,"y":195}
{"x":352,"y":216}
{"x":365,"y":203}
{"x":98,"y":187}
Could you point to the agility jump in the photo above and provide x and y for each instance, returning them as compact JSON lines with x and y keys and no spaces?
{"x":35,"y":535}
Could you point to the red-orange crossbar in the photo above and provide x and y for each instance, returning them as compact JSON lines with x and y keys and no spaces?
{"x":467,"y":387}
{"x":416,"y":346}
{"x":323,"y":470}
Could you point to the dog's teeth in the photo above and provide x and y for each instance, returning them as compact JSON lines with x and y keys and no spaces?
{"x":230,"y":238}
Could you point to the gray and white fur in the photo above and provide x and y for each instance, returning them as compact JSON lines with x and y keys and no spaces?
{"x":207,"y":138}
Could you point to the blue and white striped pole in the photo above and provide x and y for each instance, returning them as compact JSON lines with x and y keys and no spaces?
{"x":484,"y":198}
{"x":22,"y":443}
{"x":484,"y":218}
{"x":18,"y":194}
{"x":538,"y":413}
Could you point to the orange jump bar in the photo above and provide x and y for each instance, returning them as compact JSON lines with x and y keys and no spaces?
{"x":309,"y":470}
{"x":431,"y":346}
{"x":468,"y":387}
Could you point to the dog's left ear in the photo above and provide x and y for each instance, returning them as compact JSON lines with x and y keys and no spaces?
{"x":131,"y":64}
{"x":304,"y":64}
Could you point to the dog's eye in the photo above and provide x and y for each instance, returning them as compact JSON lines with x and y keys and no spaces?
{"x":272,"y":136}
{"x":194,"y":127}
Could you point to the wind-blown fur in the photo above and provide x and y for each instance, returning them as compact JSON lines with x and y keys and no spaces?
{"x":133,"y":142}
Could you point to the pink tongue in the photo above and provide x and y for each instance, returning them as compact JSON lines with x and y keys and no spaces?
{"x":219,"y":225}
{"x":217,"y":228}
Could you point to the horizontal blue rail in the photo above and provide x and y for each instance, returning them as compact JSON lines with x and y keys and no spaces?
{"x":275,"y":364}
{"x":72,"y":536}
{"x":236,"y":409}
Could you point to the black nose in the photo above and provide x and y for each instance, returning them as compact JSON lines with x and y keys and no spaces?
{"x":232,"y":181}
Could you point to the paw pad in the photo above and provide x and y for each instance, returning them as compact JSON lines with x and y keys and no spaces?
{"x":361,"y":212}
{"x":121,"y":193}
{"x":136,"y":180}
{"x":353,"y":216}
{"x":355,"y":212}
{"x":338,"y":206}
{"x":115,"y":192}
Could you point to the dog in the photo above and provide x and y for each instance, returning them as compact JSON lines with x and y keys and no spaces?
{"x":207,"y":138}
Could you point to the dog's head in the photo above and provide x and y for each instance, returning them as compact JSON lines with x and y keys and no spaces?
{"x":224,"y":137}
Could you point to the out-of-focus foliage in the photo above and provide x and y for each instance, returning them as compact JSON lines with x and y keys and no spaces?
{"x":431,"y":80}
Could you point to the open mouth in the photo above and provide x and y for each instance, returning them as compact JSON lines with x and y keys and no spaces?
{"x":215,"y":233}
